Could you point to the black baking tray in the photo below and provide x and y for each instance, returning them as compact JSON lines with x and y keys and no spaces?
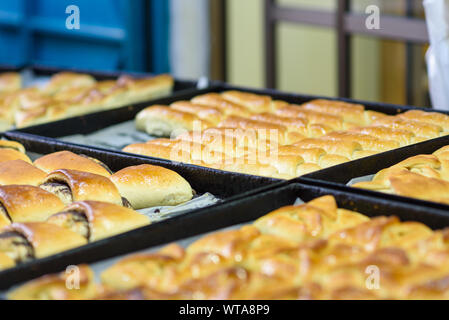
{"x":227,"y":186}
{"x":90,"y":123}
{"x":238,"y":211}
{"x":338,"y":176}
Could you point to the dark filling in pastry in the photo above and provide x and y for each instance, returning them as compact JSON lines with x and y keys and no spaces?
{"x":60,"y":189}
{"x":16,"y":246}
{"x":98,"y":162}
{"x":75,"y":221}
{"x":126,"y":203}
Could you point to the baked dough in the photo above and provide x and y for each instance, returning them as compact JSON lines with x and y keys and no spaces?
{"x":6,"y":262}
{"x":7,"y":154}
{"x":148,"y":186}
{"x":34,"y":240}
{"x":10,"y":82}
{"x":54,"y":287}
{"x":71,"y":161}
{"x":98,"y":220}
{"x":164,"y":121}
{"x":28,"y":203}
{"x":7,"y":144}
{"x":21,"y":173}
{"x":314,"y":250}
{"x":71,"y":186}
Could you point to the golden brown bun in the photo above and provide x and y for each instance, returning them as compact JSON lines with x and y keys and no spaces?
{"x":147,"y":186}
{"x":101,"y":219}
{"x":46,"y":239}
{"x":54,"y":287}
{"x":66,"y":80}
{"x":350,"y":112}
{"x":8,"y":154}
{"x":83,"y":186}
{"x":6,"y":144}
{"x":211,"y":114}
{"x":6,"y":262}
{"x":217,"y":101}
{"x":254,"y":102}
{"x":143,"y":269}
{"x":10,"y":82}
{"x":310,"y":251}
{"x":148,"y":88}
{"x":28,"y":203}
{"x":164,"y":121}
{"x":69,"y":160}
{"x":435,"y":118}
{"x":21,"y":173}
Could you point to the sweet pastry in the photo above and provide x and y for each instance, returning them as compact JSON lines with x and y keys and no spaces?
{"x":71,"y":161}
{"x":33,"y":240}
{"x":10,"y":82}
{"x":423,"y":177}
{"x":67,"y":80}
{"x":8,"y":154}
{"x":147,"y":186}
{"x":314,"y":250}
{"x":28,"y":203}
{"x":71,"y":186}
{"x":7,"y":144}
{"x":98,"y":220}
{"x":21,"y":173}
{"x":245,"y":126}
{"x":54,"y":287}
{"x":164,"y":121}
{"x":255,"y":103}
{"x":6,"y":262}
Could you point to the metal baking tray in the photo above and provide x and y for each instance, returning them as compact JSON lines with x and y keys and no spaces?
{"x":224,"y":185}
{"x":93,"y":123}
{"x":247,"y":209}
{"x":339,"y":176}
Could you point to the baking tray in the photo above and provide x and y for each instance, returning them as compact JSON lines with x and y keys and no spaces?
{"x":223,"y":185}
{"x":339,"y":176}
{"x":233,"y":214}
{"x":89,"y":124}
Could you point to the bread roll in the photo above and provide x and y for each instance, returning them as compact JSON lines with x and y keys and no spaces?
{"x":217,"y":101}
{"x":71,"y":186}
{"x":21,"y":173}
{"x":163,"y":121}
{"x":66,"y":80}
{"x":98,"y":220}
{"x":7,"y":144}
{"x":28,"y":203}
{"x":10,"y":82}
{"x":54,"y":287}
{"x":148,"y":186}
{"x":69,"y":160}
{"x":7,"y":154}
{"x":34,"y":240}
{"x":254,"y":102}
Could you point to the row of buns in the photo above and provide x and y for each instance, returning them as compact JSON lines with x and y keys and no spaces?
{"x":254,"y":134}
{"x":63,"y":200}
{"x":424,"y":177}
{"x":309,"y":251}
{"x":69,"y":94}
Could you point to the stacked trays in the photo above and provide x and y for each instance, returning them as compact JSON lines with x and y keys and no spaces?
{"x":305,"y":251}
{"x":310,"y":133}
{"x":314,"y":231}
{"x":86,"y":199}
